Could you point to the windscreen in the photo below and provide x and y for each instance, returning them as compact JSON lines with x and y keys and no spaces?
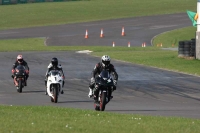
{"x":54,"y":72}
{"x":20,"y":67}
{"x":105,"y":74}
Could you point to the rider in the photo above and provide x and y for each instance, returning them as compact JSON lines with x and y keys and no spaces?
{"x":20,"y":61}
{"x":54,"y":66}
{"x":104,"y":64}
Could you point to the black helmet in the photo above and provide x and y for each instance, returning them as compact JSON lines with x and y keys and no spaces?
{"x":105,"y":61}
{"x":54,"y":62}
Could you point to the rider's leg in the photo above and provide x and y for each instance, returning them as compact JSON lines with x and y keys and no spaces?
{"x":15,"y":81}
{"x":45,"y":82}
{"x":96,"y":94}
{"x":91,"y":86}
{"x":26,"y":79}
{"x":61,"y":91}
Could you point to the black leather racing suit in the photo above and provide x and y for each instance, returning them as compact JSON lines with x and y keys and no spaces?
{"x":24,"y":63}
{"x":97,"y":70}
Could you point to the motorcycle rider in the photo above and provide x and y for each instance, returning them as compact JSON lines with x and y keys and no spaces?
{"x":20,"y":61}
{"x":104,"y":64}
{"x":54,"y":66}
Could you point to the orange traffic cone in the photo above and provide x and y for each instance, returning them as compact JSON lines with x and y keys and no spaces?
{"x":172,"y":45}
{"x":144,"y":45}
{"x":129,"y":44}
{"x":123,"y":33}
{"x":101,"y":35}
{"x":113,"y":44}
{"x":86,"y":34}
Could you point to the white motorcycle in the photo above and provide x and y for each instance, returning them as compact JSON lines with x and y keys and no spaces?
{"x":54,"y":84}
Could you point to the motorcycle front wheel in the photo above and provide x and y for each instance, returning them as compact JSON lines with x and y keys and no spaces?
{"x":103,"y":101}
{"x":55,"y":95}
{"x":19,"y":86}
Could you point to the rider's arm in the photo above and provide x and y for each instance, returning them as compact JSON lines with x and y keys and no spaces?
{"x":114,"y":73}
{"x":26,"y":66}
{"x":14,"y":65}
{"x":48,"y":69}
{"x":60,"y":68}
{"x":95,"y":70}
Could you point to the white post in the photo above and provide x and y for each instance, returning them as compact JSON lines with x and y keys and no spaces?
{"x":197,"y":47}
{"x":198,"y":12}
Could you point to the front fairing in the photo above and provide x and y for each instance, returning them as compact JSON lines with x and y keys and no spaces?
{"x":55,"y":77}
{"x":102,"y":82}
{"x":20,"y":71}
{"x":104,"y":79}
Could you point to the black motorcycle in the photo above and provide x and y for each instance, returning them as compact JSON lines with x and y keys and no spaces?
{"x":20,"y":76}
{"x":104,"y":83}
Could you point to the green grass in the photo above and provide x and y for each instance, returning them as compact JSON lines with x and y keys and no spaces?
{"x":174,"y":36}
{"x":51,"y":13}
{"x":43,"y":119}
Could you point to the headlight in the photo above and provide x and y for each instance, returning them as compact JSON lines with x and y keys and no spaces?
{"x":109,"y":80}
{"x":60,"y":81}
{"x":50,"y":81}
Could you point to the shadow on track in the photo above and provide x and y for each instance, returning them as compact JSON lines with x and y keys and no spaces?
{"x":76,"y":101}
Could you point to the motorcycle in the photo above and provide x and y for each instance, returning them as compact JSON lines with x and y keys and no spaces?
{"x":54,"y":84}
{"x":105,"y":86}
{"x":20,"y":77}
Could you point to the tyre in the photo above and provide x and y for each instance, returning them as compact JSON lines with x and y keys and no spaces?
{"x":55,"y":94}
{"x":20,"y":86}
{"x":103,"y":101}
{"x":180,"y":49}
{"x":187,"y":44}
{"x":186,"y":52}
{"x":186,"y":49}
{"x":180,"y":52}
{"x":181,"y":44}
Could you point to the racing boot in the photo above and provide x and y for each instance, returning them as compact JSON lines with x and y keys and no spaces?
{"x":15,"y":82}
{"x":45,"y":82}
{"x":62,"y":92}
{"x":25,"y":84}
{"x":46,"y":91}
{"x":90,"y":95}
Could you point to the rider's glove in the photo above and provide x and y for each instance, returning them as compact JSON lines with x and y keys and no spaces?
{"x":115,"y":82}
{"x":13,"y":71}
{"x":27,"y":71}
{"x":92,"y":80}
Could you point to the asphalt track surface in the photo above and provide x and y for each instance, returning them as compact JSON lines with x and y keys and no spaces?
{"x":141,"y":89}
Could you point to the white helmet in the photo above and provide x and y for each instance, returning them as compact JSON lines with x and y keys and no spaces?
{"x":105,"y":60}
{"x":20,"y":58}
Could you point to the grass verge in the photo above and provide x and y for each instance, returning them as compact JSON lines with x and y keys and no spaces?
{"x":173,"y":37}
{"x":52,"y":13}
{"x":43,"y":119}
